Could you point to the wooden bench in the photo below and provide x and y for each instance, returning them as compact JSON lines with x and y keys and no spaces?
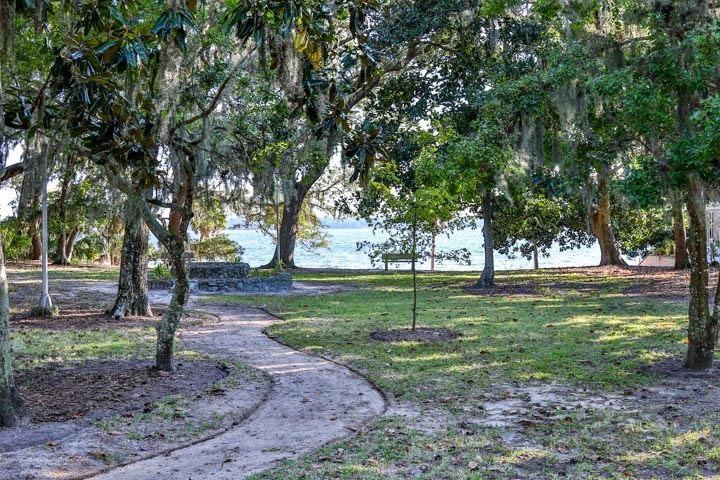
{"x":396,"y":258}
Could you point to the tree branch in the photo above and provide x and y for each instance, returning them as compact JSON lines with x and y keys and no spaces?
{"x":215,"y":100}
{"x":11,"y":171}
{"x":413,"y":52}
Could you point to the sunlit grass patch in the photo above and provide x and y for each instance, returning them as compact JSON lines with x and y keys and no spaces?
{"x":34,"y":347}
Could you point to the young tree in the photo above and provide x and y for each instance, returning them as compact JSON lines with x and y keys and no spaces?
{"x":407,"y":197}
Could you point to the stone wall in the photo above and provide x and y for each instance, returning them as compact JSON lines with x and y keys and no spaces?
{"x":275,"y":283}
{"x":215,"y":270}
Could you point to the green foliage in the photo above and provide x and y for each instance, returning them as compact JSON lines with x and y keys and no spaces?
{"x":15,"y":242}
{"x":160,"y":272}
{"x":407,"y":197}
{"x":216,"y":248}
{"x":643,"y":230}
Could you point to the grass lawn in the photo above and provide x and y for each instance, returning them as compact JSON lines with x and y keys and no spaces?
{"x":554,"y":376}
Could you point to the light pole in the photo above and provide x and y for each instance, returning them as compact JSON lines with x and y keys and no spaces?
{"x":278,"y":261}
{"x":45,"y":307}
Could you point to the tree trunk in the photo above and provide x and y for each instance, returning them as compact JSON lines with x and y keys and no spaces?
{"x":60,"y":257}
{"x":414,"y":269}
{"x":536,"y":262}
{"x":487,"y":279}
{"x":174,"y":240}
{"x":288,"y":231}
{"x":70,"y":244}
{"x":132,"y":296}
{"x":702,"y":327}
{"x":35,"y":244}
{"x":601,"y":226}
{"x":682,"y":260}
{"x":11,"y":408}
{"x":167,"y":326}
{"x":432,"y":253}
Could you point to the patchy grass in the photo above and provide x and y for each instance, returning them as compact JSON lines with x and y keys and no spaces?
{"x":600,"y":337}
{"x":30,"y":271}
{"x":34,"y":347}
{"x":584,"y":332}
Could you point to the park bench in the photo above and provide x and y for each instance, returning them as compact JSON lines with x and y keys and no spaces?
{"x":396,"y":258}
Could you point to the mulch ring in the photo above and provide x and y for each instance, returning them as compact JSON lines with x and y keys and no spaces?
{"x":417,"y":335}
{"x":97,"y":389}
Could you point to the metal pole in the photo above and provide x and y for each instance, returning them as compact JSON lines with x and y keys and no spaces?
{"x":277,"y":222}
{"x":45,"y":300}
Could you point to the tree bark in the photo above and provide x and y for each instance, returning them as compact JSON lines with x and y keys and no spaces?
{"x":35,"y":244}
{"x":289,"y":226}
{"x":536,"y":262}
{"x":70,"y":244}
{"x":167,"y":326}
{"x":132,"y":296}
{"x":682,"y":261}
{"x":702,"y":327}
{"x":413,"y":266}
{"x":11,"y":408}
{"x":60,"y":257}
{"x":487,"y":279}
{"x":601,"y":226}
{"x":174,"y":243}
{"x":433,"y":248}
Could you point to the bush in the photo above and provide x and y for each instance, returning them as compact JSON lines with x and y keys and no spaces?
{"x":217,"y":248}
{"x":16,"y":244}
{"x":160,"y":272}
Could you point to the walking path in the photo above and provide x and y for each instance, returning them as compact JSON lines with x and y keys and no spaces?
{"x":312,"y":402}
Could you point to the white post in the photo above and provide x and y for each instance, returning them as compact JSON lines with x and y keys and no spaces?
{"x":45,"y":300}
{"x":278,"y":186}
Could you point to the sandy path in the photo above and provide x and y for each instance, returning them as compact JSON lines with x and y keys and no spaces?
{"x":312,"y":402}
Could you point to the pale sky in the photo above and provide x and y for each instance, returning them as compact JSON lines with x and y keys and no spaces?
{"x":7,"y":195}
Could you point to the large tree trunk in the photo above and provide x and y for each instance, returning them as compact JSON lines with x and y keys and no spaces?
{"x":487,"y":279}
{"x":10,"y":404}
{"x":289,"y":226}
{"x":35,"y":243}
{"x":132,"y":295}
{"x":60,"y":258}
{"x":601,"y":226}
{"x":702,"y":327}
{"x":682,"y":261}
{"x":70,"y":244}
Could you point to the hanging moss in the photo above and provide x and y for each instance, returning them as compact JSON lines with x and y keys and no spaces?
{"x":530,"y":140}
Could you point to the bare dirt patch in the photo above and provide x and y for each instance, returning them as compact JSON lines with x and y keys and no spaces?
{"x":81,"y":318}
{"x":660,"y":283}
{"x":97,"y":389}
{"x":417,"y":335}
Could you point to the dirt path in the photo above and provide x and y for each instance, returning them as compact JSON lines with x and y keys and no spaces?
{"x":312,"y":402}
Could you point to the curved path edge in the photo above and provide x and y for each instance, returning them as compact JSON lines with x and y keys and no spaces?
{"x":313,"y":400}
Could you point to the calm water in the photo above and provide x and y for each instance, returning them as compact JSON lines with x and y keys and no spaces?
{"x":342,"y":251}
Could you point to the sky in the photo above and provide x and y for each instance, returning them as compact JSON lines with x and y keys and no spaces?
{"x":7,"y":195}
